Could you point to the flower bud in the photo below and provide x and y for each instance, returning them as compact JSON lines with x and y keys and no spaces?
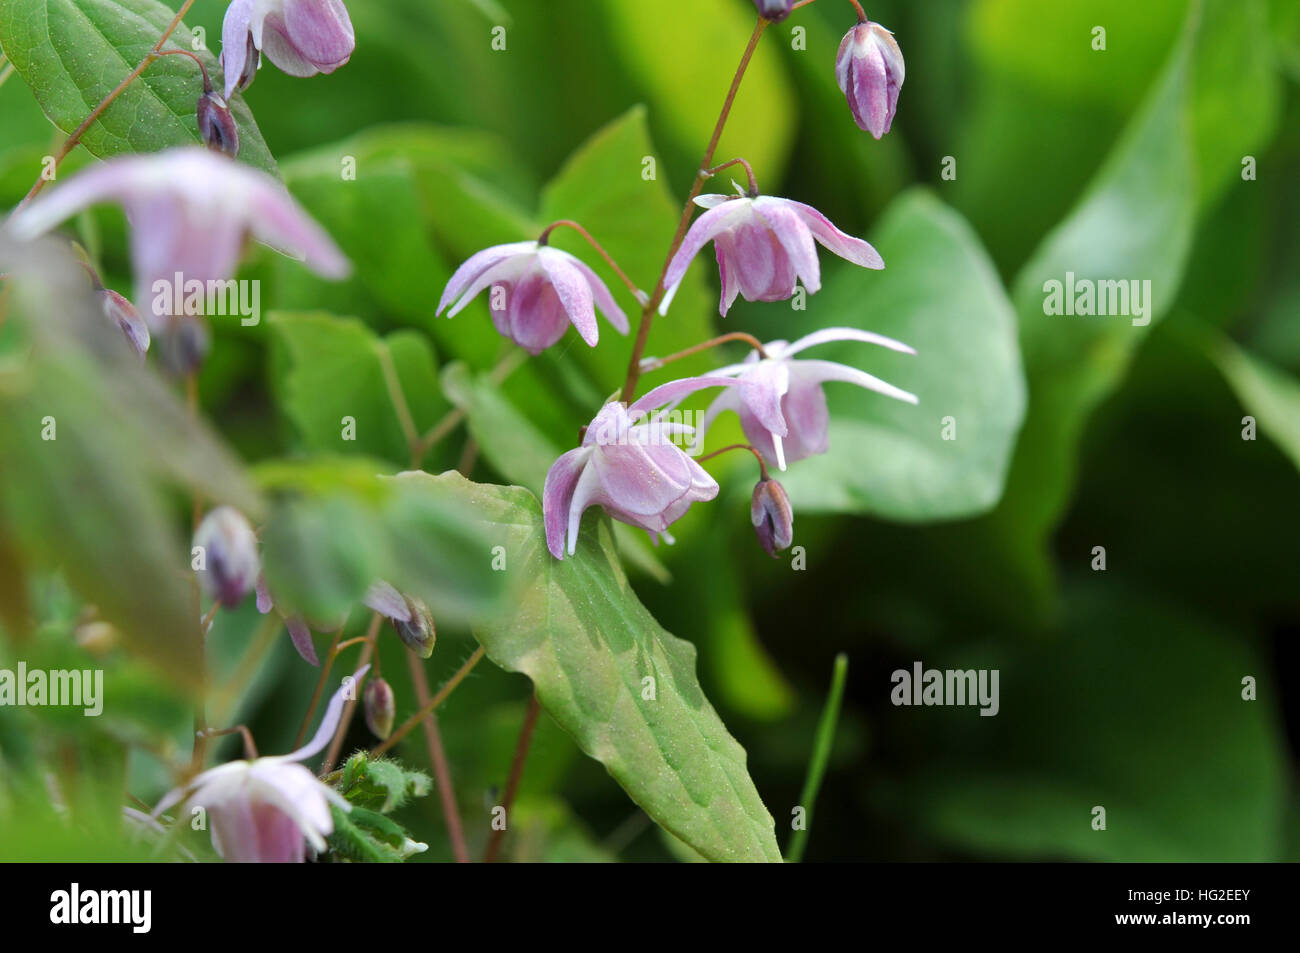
{"x":419,"y":633}
{"x":228,"y":563}
{"x":772,"y":517}
{"x":123,"y":313}
{"x":183,"y":345}
{"x":381,"y":708}
{"x":869,"y":68}
{"x":774,"y":10}
{"x":217,"y":125}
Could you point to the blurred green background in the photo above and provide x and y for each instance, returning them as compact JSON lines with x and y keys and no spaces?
{"x":1120,"y":688}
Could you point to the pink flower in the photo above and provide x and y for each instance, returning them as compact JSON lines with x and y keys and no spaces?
{"x":191,"y":211}
{"x":302,"y":37}
{"x":628,"y":464}
{"x":266,"y":811}
{"x":780,"y":401}
{"x":869,"y":68}
{"x":536,"y":292}
{"x":764,"y":245}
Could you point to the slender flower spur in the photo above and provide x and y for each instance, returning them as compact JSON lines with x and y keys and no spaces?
{"x":629,"y":464}
{"x":301,"y":37}
{"x":191,"y":211}
{"x":869,"y":69}
{"x":780,"y":401}
{"x":269,"y":809}
{"x":764,"y":246}
{"x":536,"y":292}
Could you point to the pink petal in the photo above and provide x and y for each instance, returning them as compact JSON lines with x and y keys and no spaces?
{"x":320,"y":31}
{"x":280,"y":49}
{"x":762,"y":389}
{"x":846,"y":246}
{"x":464,"y":283}
{"x":822,"y":371}
{"x":279,"y":221}
{"x":755,"y":260}
{"x":675,"y":391}
{"x":794,"y":236}
{"x":234,"y":43}
{"x":713,"y":222}
{"x":827,"y":335}
{"x":604,"y":300}
{"x":557,"y":496}
{"x":300,"y":635}
{"x":330,"y":722}
{"x":573,"y":292}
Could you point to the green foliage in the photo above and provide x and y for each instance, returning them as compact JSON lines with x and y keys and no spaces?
{"x":622,"y":686}
{"x":72,"y":53}
{"x":382,"y":784}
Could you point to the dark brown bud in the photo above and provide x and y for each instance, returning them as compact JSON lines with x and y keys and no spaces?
{"x":772,"y":517}
{"x":217,"y":125}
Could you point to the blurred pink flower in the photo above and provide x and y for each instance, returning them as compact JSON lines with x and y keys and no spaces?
{"x":266,"y":811}
{"x":191,"y":211}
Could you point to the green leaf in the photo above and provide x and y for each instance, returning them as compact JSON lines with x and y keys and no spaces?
{"x":72,"y":53}
{"x":690,"y":83}
{"x":382,"y":784}
{"x":323,"y":546}
{"x":939,"y":294}
{"x":1271,"y":395}
{"x":578,"y":631}
{"x":1134,"y":223}
{"x":336,"y":370}
{"x":1179,"y":781}
{"x":92,"y":446}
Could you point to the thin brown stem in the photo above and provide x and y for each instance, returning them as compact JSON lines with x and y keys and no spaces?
{"x":749,"y":173}
{"x":438,"y":759}
{"x":431,"y":705}
{"x":654,"y":363}
{"x":71,"y":142}
{"x":200,"y":752}
{"x":516,"y":774}
{"x":345,"y":722}
{"x":250,"y":749}
{"x":762,"y":465}
{"x":862,"y":14}
{"x":395,"y":394}
{"x":609,"y":259}
{"x":647,"y":312}
{"x":320,"y":689}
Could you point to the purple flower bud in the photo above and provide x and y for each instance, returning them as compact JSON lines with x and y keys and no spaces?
{"x":774,"y":10}
{"x":122,"y":313}
{"x":628,"y":464}
{"x":381,"y":708}
{"x":230,"y":564}
{"x":869,"y":68}
{"x":302,"y":37}
{"x":418,"y":632}
{"x":217,"y":125}
{"x":772,"y":517}
{"x":764,"y":245}
{"x":535,"y":293}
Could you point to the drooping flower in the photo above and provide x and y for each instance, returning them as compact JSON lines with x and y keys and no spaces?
{"x":772,"y":516}
{"x":410,"y":617}
{"x":629,"y":464}
{"x":536,"y":292}
{"x":301,"y":37}
{"x":229,"y":566}
{"x":191,"y":211}
{"x":764,"y":246}
{"x":869,"y":68}
{"x":269,"y":809}
{"x":780,"y":401}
